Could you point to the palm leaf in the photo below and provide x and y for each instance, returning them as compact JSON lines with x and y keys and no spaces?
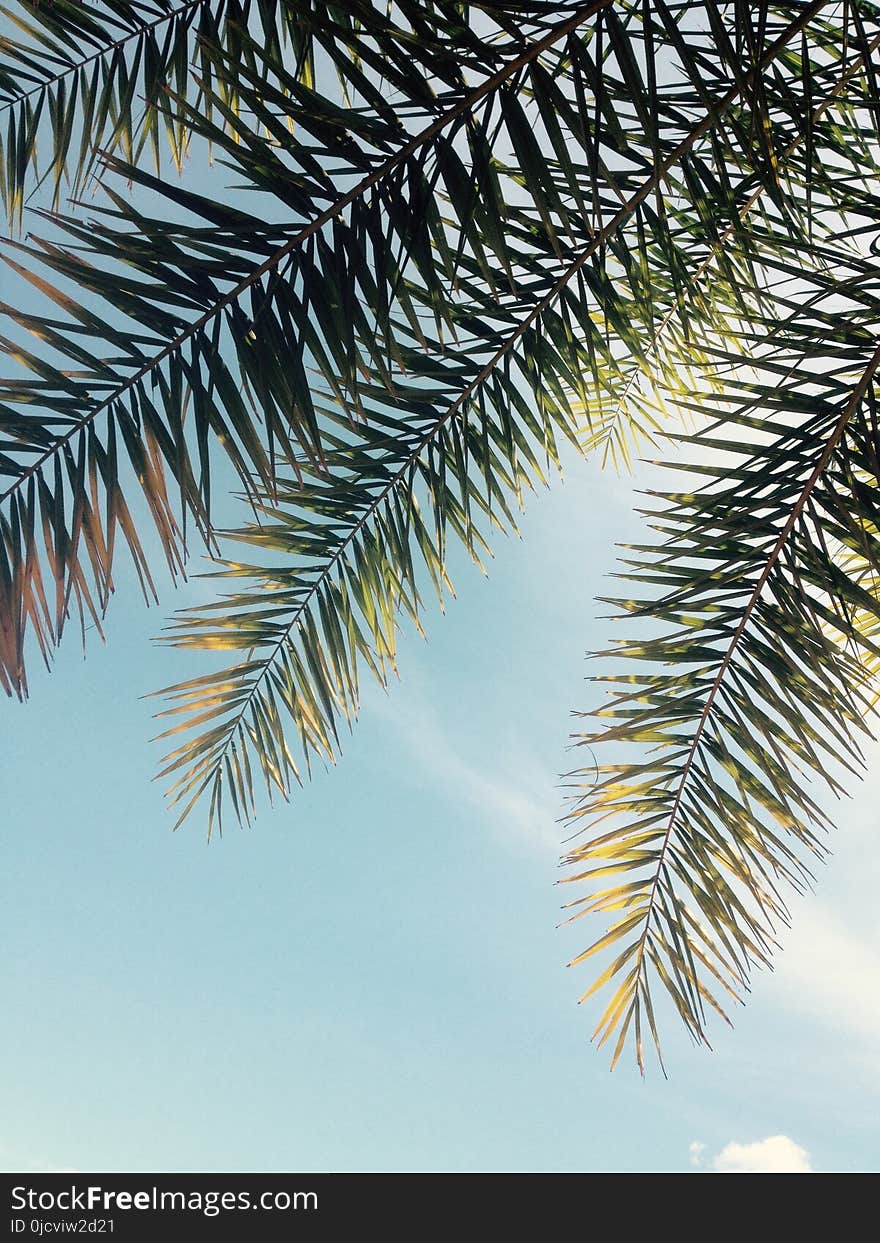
{"x":752,"y":672}
{"x":81,"y":77}
{"x":205,"y":292}
{"x":332,"y":595}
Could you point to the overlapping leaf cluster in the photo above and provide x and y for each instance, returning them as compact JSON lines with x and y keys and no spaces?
{"x":143,"y":372}
{"x":79,"y":79}
{"x":459,"y":237}
{"x":581,"y":300}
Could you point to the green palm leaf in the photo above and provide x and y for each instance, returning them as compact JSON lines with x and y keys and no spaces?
{"x":207,"y":289}
{"x":82,"y":77}
{"x":304,"y":622}
{"x":753,"y":672}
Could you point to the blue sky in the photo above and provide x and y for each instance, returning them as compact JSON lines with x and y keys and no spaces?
{"x":371,"y":978}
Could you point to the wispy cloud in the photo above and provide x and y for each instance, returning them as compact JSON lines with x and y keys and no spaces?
{"x":518,"y":798}
{"x":777,"y":1154}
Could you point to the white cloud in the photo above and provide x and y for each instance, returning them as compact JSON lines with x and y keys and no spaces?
{"x":777,"y":1154}
{"x":696,"y":1150}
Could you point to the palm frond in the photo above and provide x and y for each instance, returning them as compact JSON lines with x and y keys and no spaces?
{"x":317,"y":291}
{"x":80,"y":77}
{"x":460,"y":238}
{"x":750,"y":675}
{"x":304,"y":622}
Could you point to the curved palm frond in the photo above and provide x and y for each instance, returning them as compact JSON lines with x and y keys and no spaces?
{"x":346,"y":552}
{"x":751,"y":675}
{"x":276,"y":297}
